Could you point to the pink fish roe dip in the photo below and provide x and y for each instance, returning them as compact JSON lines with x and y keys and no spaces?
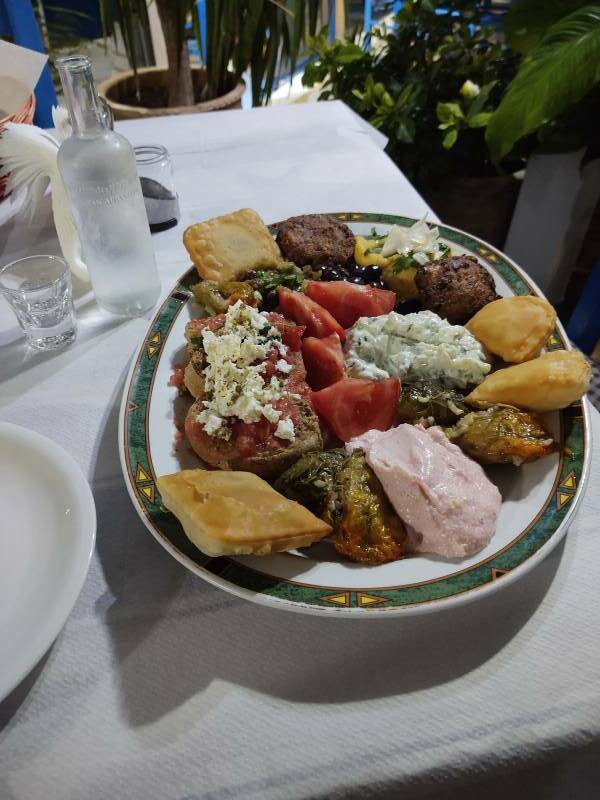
{"x":447,"y":502}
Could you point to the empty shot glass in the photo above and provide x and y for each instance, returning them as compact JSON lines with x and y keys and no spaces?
{"x":38,"y":289}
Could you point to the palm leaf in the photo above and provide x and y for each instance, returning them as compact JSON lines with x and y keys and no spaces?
{"x":248,"y":33}
{"x":260,"y":34}
{"x":275,"y":41}
{"x":295,"y":26}
{"x":553,"y":76}
{"x":257,"y":62}
{"x":129,"y":14}
{"x":528,"y":20}
{"x":313,"y":16}
{"x":183,"y":8}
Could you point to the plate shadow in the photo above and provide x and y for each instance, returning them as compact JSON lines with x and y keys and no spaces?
{"x":175,"y":636}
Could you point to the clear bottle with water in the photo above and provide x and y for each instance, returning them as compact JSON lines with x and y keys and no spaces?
{"x":98,"y":169}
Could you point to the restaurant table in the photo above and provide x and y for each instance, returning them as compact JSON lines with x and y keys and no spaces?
{"x":161,"y":686}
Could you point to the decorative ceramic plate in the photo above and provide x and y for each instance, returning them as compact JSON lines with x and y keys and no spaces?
{"x":539,"y":499}
{"x":46,"y":542}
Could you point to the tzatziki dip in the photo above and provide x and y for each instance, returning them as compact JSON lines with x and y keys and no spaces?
{"x":413,"y":347}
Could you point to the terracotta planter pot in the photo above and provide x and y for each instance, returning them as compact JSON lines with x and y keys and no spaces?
{"x":481,"y":206}
{"x":24,"y":115}
{"x":118,"y":89}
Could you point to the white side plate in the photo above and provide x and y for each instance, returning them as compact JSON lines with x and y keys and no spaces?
{"x":47,"y":538}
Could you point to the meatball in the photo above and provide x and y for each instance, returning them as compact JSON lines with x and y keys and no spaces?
{"x":316,"y":240}
{"x":455,"y":287}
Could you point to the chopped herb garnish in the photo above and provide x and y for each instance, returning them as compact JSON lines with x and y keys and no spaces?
{"x":269,"y":280}
{"x":403,"y":262}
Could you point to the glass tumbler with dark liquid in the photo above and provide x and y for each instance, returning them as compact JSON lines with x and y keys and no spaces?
{"x":158,"y":188}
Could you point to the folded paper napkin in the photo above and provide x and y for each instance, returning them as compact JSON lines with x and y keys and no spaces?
{"x":20,"y":70}
{"x":28,"y":157}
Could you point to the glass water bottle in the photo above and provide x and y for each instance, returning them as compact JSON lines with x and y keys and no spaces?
{"x":98,"y":169}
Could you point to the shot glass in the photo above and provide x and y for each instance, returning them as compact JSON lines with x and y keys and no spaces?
{"x":38,"y":289}
{"x":156,"y":177}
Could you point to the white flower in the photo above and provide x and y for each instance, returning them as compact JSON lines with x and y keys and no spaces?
{"x":469,"y":90}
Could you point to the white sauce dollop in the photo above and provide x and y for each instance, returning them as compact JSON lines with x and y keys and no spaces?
{"x":414,"y":347}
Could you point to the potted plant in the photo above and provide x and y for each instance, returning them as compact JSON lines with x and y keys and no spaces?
{"x":430,"y":83}
{"x":259,"y":35}
{"x":556,"y":96}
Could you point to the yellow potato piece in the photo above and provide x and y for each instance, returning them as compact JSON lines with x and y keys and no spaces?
{"x":514,"y":328}
{"x":366,"y":259}
{"x":403,"y":282}
{"x":235,"y":513}
{"x":552,"y":381}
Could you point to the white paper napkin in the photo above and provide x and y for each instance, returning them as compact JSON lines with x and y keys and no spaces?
{"x":20,"y":70}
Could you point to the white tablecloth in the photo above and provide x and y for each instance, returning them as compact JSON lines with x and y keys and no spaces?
{"x":161,"y":686}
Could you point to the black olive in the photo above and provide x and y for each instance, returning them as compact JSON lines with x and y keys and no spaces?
{"x":373,"y":273}
{"x":270,"y":302}
{"x":408,"y":306}
{"x":357,"y":279}
{"x":331,"y":274}
{"x":360,"y":272}
{"x":378,"y":284}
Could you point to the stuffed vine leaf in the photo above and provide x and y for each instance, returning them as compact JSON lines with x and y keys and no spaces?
{"x":365,"y":526}
{"x":502,"y":435}
{"x":425,"y":399}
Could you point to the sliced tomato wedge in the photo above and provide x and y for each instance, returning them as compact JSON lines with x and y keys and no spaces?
{"x":291,"y":335}
{"x":324,"y":360}
{"x":354,"y":406}
{"x":177,"y":377}
{"x":304,"y":311}
{"x":347,"y":302}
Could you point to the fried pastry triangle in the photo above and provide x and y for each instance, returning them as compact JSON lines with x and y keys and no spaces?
{"x":236,"y":513}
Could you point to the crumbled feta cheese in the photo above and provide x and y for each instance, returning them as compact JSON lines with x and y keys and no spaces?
{"x":270,"y":413}
{"x":285,"y":430}
{"x":284,"y":366}
{"x":234,"y":383}
{"x":211,"y":422}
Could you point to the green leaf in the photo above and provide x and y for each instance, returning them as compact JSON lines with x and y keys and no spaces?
{"x":349,"y":53}
{"x":447,"y":112}
{"x":480,"y":120}
{"x":555,"y":75}
{"x":386,"y":100}
{"x":528,"y":20}
{"x":404,"y":97}
{"x":480,"y":100}
{"x":406,"y":131}
{"x":450,"y":139}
